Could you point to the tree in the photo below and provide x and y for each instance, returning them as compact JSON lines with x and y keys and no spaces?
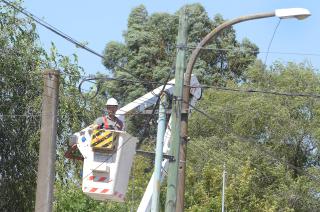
{"x":269,"y":143}
{"x":20,"y":90}
{"x":21,"y":63}
{"x":148,"y":53}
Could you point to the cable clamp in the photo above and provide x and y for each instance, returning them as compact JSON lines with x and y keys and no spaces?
{"x":185,"y":140}
{"x":181,"y":46}
{"x":176,"y":98}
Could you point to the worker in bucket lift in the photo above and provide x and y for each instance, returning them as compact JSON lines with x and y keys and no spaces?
{"x":110,"y":120}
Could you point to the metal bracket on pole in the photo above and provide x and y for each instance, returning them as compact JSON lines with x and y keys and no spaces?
{"x":182,"y":46}
{"x":152,"y":155}
{"x":185,"y":139}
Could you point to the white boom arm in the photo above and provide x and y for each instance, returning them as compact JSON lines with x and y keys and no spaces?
{"x":145,"y":204}
{"x":150,"y":98}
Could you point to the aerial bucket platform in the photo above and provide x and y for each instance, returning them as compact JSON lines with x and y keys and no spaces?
{"x":108,"y":156}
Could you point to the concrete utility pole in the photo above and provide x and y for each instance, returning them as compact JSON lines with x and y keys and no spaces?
{"x":159,"y":153}
{"x":47,"y":152}
{"x":171,"y":198}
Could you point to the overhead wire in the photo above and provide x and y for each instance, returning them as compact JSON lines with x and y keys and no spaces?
{"x":143,"y":131}
{"x":253,"y":141}
{"x":60,"y":33}
{"x":63,"y":35}
{"x":240,"y":50}
{"x":274,"y":33}
{"x":154,"y":108}
{"x":312,"y":95}
{"x":288,"y":94}
{"x":70,"y":39}
{"x":106,"y":78}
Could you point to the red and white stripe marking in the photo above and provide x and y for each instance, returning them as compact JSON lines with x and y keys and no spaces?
{"x":103,"y":191}
{"x":97,"y":190}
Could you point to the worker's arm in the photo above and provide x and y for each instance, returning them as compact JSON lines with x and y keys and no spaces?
{"x":98,"y":123}
{"x":121,"y":118}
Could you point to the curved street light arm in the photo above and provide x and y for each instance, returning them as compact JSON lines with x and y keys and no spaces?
{"x":214,"y":33}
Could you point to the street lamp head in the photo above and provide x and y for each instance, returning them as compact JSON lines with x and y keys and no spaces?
{"x":298,"y":13}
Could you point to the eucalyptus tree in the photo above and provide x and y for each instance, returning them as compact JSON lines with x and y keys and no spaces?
{"x":149,"y":50}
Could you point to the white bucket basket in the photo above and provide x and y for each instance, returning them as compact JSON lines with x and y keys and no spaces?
{"x":106,"y":174}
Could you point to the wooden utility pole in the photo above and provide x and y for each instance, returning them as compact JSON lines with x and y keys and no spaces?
{"x":171,"y":199}
{"x":47,"y":152}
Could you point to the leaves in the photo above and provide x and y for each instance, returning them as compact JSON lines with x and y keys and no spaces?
{"x":267,"y":142}
{"x":148,"y":53}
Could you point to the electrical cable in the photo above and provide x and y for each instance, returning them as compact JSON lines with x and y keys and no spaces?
{"x":312,"y":95}
{"x":63,"y":35}
{"x":51,"y":28}
{"x":255,"y":52}
{"x":154,"y":109}
{"x":253,"y":141}
{"x":141,"y":138}
{"x":274,"y":32}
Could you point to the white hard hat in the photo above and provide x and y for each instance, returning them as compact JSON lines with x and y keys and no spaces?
{"x":112,"y":101}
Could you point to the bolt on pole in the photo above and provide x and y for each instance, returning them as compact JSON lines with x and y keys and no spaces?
{"x":47,"y":152}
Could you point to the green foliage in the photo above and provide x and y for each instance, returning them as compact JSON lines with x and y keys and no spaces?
{"x":268,"y":142}
{"x":20,"y":99}
{"x":71,"y":198}
{"x":150,"y":47}
{"x":21,"y":82}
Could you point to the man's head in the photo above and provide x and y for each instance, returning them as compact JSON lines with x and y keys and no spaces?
{"x":112,"y":106}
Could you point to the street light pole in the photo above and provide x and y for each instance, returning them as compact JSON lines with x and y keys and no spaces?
{"x":298,"y":13}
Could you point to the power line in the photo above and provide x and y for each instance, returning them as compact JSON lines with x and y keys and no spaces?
{"x":236,"y":50}
{"x":143,"y":131}
{"x":274,"y":33}
{"x":260,"y":91}
{"x":106,"y":78}
{"x":312,"y":95}
{"x":154,"y":108}
{"x":70,"y":39}
{"x":253,"y":141}
{"x":62,"y":34}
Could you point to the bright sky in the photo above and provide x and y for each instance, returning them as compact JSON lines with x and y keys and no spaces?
{"x":99,"y":22}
